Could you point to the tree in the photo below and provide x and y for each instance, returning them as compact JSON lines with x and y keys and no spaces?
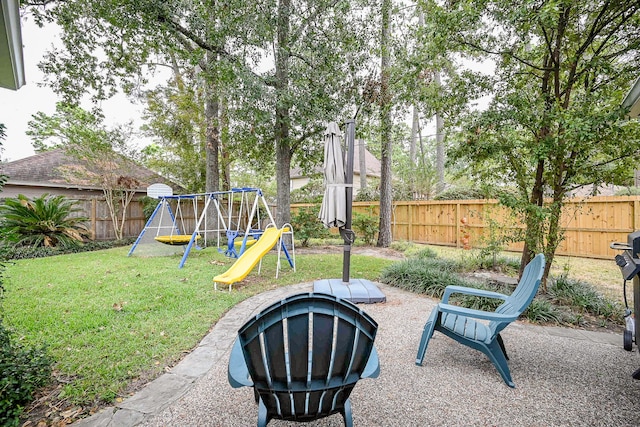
{"x":316,"y":48}
{"x":175,"y":120}
{"x":386,"y":196}
{"x":83,"y":136}
{"x":555,"y":123}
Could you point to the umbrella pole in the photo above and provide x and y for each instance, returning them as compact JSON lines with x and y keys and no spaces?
{"x":347,"y":234}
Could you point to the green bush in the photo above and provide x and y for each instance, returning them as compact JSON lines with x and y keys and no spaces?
{"x":44,"y":221}
{"x":461,"y":193}
{"x":307,"y":224}
{"x":149,"y":205}
{"x":542,"y":311}
{"x":584,"y":298}
{"x":369,"y":194}
{"x":22,"y":371}
{"x":366,"y":225}
{"x":25,"y":252}
{"x":312,"y":192}
{"x":426,"y":253}
{"x":427,"y":276}
{"x":628,"y":191}
{"x":483,"y":303}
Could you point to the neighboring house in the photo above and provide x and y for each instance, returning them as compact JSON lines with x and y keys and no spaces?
{"x":44,"y":173}
{"x":372,"y":165}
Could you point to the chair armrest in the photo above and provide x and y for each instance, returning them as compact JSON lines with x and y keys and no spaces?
{"x":451,"y":289}
{"x":238,"y":373}
{"x":477,"y":314}
{"x":372,"y":369}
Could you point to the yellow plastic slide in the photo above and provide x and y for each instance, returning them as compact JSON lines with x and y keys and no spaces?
{"x":250,"y":257}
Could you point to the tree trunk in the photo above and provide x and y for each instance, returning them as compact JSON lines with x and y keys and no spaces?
{"x":362,"y":163}
{"x":415,"y":125}
{"x":534,"y":224}
{"x":439,"y":143}
{"x":384,"y":234}
{"x":211,"y":111}
{"x":283,"y":149}
{"x":225,"y":160}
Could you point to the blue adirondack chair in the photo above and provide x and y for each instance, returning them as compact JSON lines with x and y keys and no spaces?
{"x":303,"y":356}
{"x":462,"y":324}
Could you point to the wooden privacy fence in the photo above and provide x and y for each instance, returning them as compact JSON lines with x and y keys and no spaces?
{"x":100,"y":223}
{"x":101,"y":227}
{"x":590,"y":225}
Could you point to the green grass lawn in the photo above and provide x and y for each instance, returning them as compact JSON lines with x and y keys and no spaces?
{"x":110,"y":320}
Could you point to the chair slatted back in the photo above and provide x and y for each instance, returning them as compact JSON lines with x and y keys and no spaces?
{"x":524,"y":293}
{"x":306,"y":353}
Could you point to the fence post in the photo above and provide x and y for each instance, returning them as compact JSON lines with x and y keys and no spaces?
{"x":636,"y":215}
{"x":410,"y":206}
{"x":457,"y":219}
{"x":94,"y":211}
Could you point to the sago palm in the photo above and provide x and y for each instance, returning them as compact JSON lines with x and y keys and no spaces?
{"x":43,"y":221}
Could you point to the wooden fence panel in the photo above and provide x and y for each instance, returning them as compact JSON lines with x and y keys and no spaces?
{"x":590,"y":225}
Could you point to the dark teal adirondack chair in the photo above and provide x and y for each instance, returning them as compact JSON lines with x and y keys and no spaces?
{"x":303,"y":356}
{"x":462,"y":324}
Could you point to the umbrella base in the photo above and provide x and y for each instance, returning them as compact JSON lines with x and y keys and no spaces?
{"x":357,"y":290}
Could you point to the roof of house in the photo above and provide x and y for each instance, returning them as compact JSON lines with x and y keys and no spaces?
{"x":48,"y":169}
{"x":372,"y":164}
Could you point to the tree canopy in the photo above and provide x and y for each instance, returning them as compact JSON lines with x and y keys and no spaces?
{"x":555,"y":121}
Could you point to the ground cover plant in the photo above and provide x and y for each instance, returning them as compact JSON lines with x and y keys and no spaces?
{"x":24,"y":369}
{"x":569,"y":301}
{"x":113,"y":322}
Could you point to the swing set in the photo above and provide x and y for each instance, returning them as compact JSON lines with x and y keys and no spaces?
{"x":196,"y":218}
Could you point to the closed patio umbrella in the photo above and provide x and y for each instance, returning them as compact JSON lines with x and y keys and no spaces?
{"x":333,"y":211}
{"x":336,"y":212}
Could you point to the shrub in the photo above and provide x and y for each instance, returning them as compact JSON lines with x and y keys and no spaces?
{"x":366,"y":225}
{"x":542,"y":311}
{"x":149,"y":205}
{"x":425,"y":253}
{"x":312,"y":192}
{"x":628,"y":191}
{"x":584,"y":298}
{"x":22,"y":371}
{"x":428,"y":276}
{"x":460,"y":193}
{"x":307,"y":224}
{"x":482,"y":303}
{"x":368,"y":194}
{"x":44,"y":221}
{"x":25,"y":252}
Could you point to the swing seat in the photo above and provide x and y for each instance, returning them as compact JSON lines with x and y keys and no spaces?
{"x":178,"y":239}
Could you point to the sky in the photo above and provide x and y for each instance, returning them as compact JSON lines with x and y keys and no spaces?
{"x":17,"y":107}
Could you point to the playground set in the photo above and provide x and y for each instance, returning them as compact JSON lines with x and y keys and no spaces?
{"x":231,"y":219}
